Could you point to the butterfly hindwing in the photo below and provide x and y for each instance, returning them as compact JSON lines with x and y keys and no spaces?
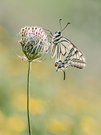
{"x":70,"y":55}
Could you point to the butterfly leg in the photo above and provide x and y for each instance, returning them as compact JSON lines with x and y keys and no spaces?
{"x":64,"y":74}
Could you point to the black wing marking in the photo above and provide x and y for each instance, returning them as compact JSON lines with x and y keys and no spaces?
{"x":71,"y":55}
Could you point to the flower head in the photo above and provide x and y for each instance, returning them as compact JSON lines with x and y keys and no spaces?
{"x":34,"y":42}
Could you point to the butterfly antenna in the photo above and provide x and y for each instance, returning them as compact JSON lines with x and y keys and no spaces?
{"x":65,"y":26}
{"x":60,"y":24}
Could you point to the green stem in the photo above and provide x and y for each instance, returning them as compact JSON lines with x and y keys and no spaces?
{"x":28,"y":98}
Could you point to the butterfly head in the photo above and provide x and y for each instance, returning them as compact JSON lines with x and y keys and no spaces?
{"x":57,"y":34}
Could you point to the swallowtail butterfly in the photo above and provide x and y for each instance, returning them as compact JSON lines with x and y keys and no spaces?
{"x":65,"y":52}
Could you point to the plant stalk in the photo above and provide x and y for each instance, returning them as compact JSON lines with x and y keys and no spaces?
{"x":28,"y":98}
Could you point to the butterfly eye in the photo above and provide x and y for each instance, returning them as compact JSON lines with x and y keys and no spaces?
{"x":59,"y":33}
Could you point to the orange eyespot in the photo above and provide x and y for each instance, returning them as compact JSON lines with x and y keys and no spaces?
{"x":56,"y":64}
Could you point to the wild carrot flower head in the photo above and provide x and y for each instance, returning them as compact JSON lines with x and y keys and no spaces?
{"x":34,"y":42}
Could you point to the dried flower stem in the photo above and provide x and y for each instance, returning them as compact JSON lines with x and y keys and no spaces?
{"x":28,"y":98}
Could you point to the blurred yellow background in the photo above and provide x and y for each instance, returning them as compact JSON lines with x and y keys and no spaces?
{"x":58,"y":107}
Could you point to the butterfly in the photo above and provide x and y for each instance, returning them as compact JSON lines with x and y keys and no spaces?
{"x":65,"y":52}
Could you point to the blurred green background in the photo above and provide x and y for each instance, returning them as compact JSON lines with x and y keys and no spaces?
{"x":70,"y":107}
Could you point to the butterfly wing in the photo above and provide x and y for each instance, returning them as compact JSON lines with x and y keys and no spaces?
{"x":73,"y":56}
{"x":58,"y":51}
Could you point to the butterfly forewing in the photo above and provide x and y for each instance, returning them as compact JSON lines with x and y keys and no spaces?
{"x":65,"y":47}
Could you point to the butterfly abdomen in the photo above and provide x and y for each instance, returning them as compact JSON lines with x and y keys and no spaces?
{"x":78,"y":64}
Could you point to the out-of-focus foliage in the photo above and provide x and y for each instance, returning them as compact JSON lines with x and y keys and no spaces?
{"x":70,"y":107}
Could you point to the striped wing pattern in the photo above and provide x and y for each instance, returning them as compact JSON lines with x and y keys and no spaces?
{"x":67,"y":54}
{"x":74,"y":57}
